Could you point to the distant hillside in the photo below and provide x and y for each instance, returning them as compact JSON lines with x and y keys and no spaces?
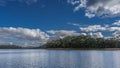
{"x":16,"y":47}
{"x":10,"y":47}
{"x":82,"y":42}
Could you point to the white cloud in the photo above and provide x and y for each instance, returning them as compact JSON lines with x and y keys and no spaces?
{"x":73,"y":2}
{"x":24,"y":34}
{"x":93,"y":28}
{"x":89,"y":15}
{"x":80,"y":3}
{"x":63,"y":33}
{"x":83,"y":4}
{"x":116,"y":35}
{"x":96,"y":30}
{"x":74,"y":24}
{"x":102,"y":8}
{"x":85,"y":34}
{"x":96,"y":35}
{"x":117,"y":23}
{"x":114,"y":28}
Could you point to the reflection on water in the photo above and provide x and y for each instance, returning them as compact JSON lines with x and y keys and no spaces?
{"x":59,"y":59}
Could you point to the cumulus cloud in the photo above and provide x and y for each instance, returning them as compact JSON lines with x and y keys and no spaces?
{"x":84,"y":34}
{"x":28,"y":2}
{"x":96,"y":35}
{"x":73,"y":2}
{"x":24,"y":34}
{"x":114,"y":28}
{"x":117,"y":23}
{"x":102,"y":8}
{"x":80,"y":4}
{"x":93,"y":28}
{"x":116,"y":35}
{"x":63,"y":33}
{"x":97,"y":30}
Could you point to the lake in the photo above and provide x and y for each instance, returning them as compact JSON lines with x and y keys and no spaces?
{"x":31,"y":58}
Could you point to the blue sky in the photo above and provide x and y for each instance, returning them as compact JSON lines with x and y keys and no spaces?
{"x":45,"y":15}
{"x":55,"y":16}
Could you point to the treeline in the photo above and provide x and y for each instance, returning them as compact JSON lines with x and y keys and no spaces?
{"x":83,"y":42}
{"x":16,"y":47}
{"x":10,"y":47}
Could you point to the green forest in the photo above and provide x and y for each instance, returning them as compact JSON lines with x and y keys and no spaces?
{"x":83,"y":42}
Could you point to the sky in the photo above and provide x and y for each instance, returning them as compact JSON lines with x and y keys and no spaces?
{"x":35,"y":22}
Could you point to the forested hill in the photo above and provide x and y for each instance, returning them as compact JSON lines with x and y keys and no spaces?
{"x":83,"y":42}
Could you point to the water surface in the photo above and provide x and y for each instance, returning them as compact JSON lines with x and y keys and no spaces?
{"x":59,"y":59}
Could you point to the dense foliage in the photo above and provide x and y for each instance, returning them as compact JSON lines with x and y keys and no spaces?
{"x":83,"y":42}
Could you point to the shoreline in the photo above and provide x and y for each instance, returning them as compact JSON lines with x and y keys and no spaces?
{"x":66,"y":48}
{"x":82,"y":48}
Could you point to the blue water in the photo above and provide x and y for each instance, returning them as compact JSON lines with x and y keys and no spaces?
{"x":59,"y":59}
